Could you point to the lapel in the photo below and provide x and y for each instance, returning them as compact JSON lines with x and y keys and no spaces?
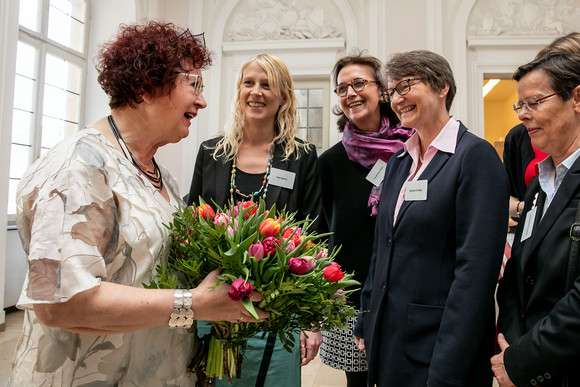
{"x":565,"y":193}
{"x":274,"y":190}
{"x":431,"y":171}
{"x":401,"y":174}
{"x":223,"y":173}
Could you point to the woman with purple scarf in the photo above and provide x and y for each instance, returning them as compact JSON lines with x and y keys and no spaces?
{"x":351,"y":173}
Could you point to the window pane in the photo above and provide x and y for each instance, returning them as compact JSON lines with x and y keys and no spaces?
{"x":29,"y":14}
{"x":60,"y":104}
{"x":315,"y":137}
{"x":302,"y":97}
{"x":315,"y":117}
{"x":63,"y":27}
{"x":19,"y":160}
{"x":302,"y":118}
{"x":302,"y":133}
{"x":24,"y":93}
{"x":55,"y":130}
{"x":315,"y":99}
{"x":26,"y":58}
{"x":22,"y":127}
{"x":62,"y":74}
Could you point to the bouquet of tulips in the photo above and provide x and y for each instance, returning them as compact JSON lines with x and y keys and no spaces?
{"x":256,"y":250}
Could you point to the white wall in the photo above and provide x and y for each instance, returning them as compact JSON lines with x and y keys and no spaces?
{"x":8,"y":39}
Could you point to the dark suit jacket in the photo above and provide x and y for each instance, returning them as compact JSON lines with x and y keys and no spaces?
{"x":211,"y":181}
{"x":429,"y":293}
{"x":539,"y":318}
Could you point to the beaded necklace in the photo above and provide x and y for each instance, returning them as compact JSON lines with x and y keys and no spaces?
{"x":154,"y":176}
{"x":263,"y":189}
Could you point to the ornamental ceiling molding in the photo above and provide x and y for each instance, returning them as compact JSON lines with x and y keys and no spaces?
{"x":281,"y":20}
{"x":501,"y":18}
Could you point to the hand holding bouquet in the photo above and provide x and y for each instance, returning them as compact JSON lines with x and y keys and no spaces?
{"x":256,"y":250}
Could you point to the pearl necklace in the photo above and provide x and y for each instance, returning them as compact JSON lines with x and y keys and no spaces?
{"x":263,"y":189}
{"x":154,"y":176}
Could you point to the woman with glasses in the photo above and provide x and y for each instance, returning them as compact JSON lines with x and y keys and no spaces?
{"x":427,"y":307}
{"x":260,"y":157}
{"x":351,"y":173}
{"x":539,"y":294}
{"x":90,"y":216}
{"x":520,"y":158}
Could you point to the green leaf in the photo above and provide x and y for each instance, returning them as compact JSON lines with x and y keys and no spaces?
{"x":249,"y":305}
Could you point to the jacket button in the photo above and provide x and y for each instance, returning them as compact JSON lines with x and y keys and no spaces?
{"x":389,"y":241}
{"x":547,"y":375}
{"x":530,"y":280}
{"x":540,"y":378}
{"x":384,"y":288}
{"x":533,"y":382}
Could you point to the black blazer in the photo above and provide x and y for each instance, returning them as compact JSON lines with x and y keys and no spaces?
{"x":541,"y":321}
{"x":428,"y":300}
{"x":211,"y":181}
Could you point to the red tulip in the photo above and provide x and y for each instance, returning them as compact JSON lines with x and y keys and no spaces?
{"x":248,"y":204}
{"x":269,"y":227}
{"x":205,"y":211}
{"x":333,"y":273}
{"x":240,"y":290}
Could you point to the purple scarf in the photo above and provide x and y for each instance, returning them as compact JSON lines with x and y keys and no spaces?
{"x":365,"y":148}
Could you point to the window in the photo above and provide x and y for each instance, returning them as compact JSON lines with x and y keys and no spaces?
{"x":50,"y":72}
{"x":313,"y":113}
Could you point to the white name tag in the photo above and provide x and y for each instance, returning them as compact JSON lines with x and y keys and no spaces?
{"x":529,"y":224}
{"x":282,"y":178}
{"x":415,"y":190}
{"x":377,"y":173}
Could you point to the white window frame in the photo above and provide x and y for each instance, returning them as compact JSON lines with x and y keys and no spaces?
{"x":46,"y":46}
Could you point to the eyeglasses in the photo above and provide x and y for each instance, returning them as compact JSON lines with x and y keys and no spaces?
{"x":401,"y":88}
{"x":357,"y":84}
{"x":197,"y":84}
{"x":532,"y":102}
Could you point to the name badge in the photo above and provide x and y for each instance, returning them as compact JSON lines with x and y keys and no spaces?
{"x":530,"y":220}
{"x":281,"y":178}
{"x":377,"y":173}
{"x":415,"y":190}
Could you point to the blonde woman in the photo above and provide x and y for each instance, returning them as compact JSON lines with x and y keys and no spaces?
{"x":260,"y":157}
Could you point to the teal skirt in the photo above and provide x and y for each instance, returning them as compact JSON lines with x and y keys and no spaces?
{"x":284,"y":368}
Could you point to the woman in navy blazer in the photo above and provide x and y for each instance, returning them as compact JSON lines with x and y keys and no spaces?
{"x":427,"y":305}
{"x":539,"y":312}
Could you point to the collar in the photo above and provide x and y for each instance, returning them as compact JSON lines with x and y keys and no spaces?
{"x":446,"y":140}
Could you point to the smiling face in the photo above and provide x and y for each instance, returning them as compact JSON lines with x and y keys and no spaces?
{"x":420,"y":108}
{"x":362,"y":107}
{"x":552,"y":125}
{"x":176,"y":110}
{"x":259,"y":102}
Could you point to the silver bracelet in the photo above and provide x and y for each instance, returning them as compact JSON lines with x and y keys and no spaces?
{"x":182,"y":315}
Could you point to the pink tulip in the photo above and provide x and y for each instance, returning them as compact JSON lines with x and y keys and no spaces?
{"x":301,"y":265}
{"x":321,"y":254}
{"x":290,"y":246}
{"x":240,"y":290}
{"x":221,"y":219}
{"x":256,"y":250}
{"x":270,"y":245}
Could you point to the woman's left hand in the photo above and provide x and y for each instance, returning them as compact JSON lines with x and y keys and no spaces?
{"x":309,"y":346}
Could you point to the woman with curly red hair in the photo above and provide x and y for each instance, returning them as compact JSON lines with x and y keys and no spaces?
{"x":90,"y":216}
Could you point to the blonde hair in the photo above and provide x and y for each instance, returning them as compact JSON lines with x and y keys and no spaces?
{"x":285,"y":125}
{"x":569,"y":44}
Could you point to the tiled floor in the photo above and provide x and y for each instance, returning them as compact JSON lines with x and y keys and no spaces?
{"x":314,"y":374}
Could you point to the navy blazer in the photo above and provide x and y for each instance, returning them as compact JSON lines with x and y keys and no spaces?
{"x":540,"y":319}
{"x":428,"y":308}
{"x":211,"y":181}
